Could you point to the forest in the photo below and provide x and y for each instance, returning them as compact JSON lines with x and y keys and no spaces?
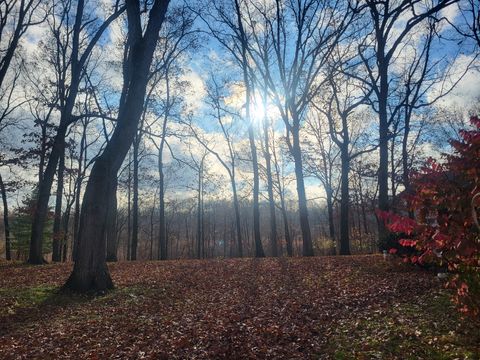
{"x":240,"y":177}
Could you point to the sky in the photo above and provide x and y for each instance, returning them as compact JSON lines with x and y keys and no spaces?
{"x":197,"y":67}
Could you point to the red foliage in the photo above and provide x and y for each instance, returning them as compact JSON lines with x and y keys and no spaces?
{"x":445,"y":197}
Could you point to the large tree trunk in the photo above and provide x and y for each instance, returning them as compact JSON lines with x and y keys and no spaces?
{"x":90,"y":271}
{"x":57,"y":233}
{"x":383,"y":203}
{"x":345,"y":201}
{"x":136,"y":144}
{"x":78,"y":191}
{"x":6,"y":224}
{"x":307,"y":248}
{"x":112,"y":224}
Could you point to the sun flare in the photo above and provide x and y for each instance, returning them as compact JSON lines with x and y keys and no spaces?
{"x":258,"y":109}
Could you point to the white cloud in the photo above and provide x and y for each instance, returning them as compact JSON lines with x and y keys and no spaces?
{"x":467,"y":90}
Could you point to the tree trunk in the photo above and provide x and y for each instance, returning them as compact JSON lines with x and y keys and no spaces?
{"x":271,"y":199}
{"x":76,"y":64}
{"x":44,"y":188}
{"x":162,"y":232}
{"x":331,"y":223}
{"x":307,"y":248}
{"x":6,"y":224}
{"x":288,"y":238}
{"x":256,"y":181}
{"x":256,"y":190}
{"x":238,"y":224}
{"x":78,"y":190}
{"x":392,"y":171}
{"x":405,"y":163}
{"x":136,"y":143}
{"x":65,"y":222}
{"x":129,"y":209}
{"x":112,"y":224}
{"x":57,"y":233}
{"x":200,"y":234}
{"x":383,"y":203}
{"x":345,"y":201}
{"x":90,"y":271}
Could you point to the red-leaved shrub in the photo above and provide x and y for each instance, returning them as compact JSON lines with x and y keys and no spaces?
{"x":445,"y":232}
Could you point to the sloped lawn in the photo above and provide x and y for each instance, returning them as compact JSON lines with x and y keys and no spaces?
{"x":358,"y":307}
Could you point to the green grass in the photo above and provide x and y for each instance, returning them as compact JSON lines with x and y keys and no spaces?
{"x":427,"y":330}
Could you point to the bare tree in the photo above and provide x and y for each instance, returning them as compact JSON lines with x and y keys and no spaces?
{"x":303,"y":35}
{"x":392,"y":23}
{"x":90,"y":271}
{"x":469,"y":26}
{"x":16,"y":16}
{"x":215,"y":96}
{"x":226,"y":25}
{"x":347,"y":96}
{"x":76,"y":67}
{"x":177,"y":38}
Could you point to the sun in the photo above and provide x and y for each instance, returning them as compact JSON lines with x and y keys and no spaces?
{"x":258,"y":109}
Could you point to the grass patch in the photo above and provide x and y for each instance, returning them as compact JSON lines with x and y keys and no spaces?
{"x":427,"y":329}
{"x":14,"y":299}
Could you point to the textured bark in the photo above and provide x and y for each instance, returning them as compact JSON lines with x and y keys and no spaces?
{"x":383,"y":203}
{"x":57,"y":232}
{"x":78,"y":191}
{"x":345,"y":201}
{"x":6,"y":224}
{"x":90,"y":272}
{"x":136,"y":144}
{"x":112,"y":224}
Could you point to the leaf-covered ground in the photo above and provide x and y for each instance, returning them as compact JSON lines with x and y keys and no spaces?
{"x":303,"y":308}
